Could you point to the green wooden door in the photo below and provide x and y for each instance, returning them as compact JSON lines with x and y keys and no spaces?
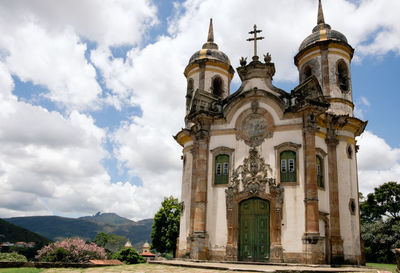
{"x":254,"y":230}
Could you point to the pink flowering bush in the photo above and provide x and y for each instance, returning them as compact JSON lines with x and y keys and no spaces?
{"x":71,"y":250}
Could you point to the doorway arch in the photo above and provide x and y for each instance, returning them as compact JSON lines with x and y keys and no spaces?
{"x":254,"y":230}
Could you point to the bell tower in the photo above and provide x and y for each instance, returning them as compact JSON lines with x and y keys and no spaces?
{"x":209,"y":72}
{"x":327,"y":55}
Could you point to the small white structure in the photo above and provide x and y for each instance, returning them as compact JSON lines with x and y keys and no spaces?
{"x":128,"y":244}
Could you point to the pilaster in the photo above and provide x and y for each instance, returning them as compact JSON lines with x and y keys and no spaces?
{"x":325,"y":70}
{"x":198,"y":212}
{"x":311,"y":250}
{"x":336,"y":239}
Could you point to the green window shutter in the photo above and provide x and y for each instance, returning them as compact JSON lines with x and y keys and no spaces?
{"x":221,"y":169}
{"x":320,"y":173}
{"x":288,"y":166}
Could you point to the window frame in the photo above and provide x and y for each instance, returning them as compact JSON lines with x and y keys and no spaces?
{"x":293,"y":147}
{"x":340,"y":66}
{"x":214,"y":154}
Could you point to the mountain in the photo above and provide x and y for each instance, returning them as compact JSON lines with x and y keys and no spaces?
{"x":12,"y":233}
{"x":107,"y":218}
{"x":57,"y":228}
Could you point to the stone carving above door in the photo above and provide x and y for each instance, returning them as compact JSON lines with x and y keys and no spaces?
{"x":251,"y":177}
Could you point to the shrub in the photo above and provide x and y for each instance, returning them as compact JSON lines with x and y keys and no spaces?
{"x":129,"y":256}
{"x":72,"y":250}
{"x":12,"y":257}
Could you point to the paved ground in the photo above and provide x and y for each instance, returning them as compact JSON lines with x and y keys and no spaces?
{"x":193,"y":267}
{"x":262,"y":268}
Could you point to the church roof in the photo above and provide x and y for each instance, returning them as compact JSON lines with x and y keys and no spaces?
{"x":322,"y":32}
{"x":210,"y":50}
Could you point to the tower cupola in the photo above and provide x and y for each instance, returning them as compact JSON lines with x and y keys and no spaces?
{"x":209,"y":70}
{"x":326,"y":54}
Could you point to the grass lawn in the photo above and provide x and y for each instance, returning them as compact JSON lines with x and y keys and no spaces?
{"x":20,"y":270}
{"x":387,"y":267}
{"x":138,"y":268}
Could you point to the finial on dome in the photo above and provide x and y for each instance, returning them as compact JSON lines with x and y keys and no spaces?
{"x":210,"y":38}
{"x":321,"y":19}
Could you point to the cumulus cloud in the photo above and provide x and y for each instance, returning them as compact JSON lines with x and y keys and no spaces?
{"x":53,"y":162}
{"x":377,"y":162}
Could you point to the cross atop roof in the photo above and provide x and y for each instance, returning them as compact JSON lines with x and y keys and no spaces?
{"x":255,"y":38}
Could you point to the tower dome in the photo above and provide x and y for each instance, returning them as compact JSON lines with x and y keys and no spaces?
{"x":209,"y":72}
{"x":210,"y":50}
{"x":326,"y":54}
{"x":322,"y":32}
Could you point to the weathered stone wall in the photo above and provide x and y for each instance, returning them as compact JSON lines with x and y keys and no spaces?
{"x":185,"y":198}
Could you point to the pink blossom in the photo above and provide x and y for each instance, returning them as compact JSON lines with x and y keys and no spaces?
{"x":77,"y":251}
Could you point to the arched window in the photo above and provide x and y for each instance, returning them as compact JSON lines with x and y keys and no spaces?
{"x":221,"y":169}
{"x":349,"y":151}
{"x":343,"y":76}
{"x":307,"y":72}
{"x":190,"y":85}
{"x":217,"y":85}
{"x":288,"y":166}
{"x":320,"y":172}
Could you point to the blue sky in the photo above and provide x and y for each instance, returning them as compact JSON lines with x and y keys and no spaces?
{"x":92,"y":92}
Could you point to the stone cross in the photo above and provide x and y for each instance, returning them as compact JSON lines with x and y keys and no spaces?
{"x":255,"y":38}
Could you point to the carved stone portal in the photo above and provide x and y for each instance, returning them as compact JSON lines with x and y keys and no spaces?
{"x":251,"y":180}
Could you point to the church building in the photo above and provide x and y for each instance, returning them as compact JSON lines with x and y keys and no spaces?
{"x":271,"y":175}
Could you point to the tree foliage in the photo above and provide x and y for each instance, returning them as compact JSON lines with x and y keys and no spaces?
{"x":166,"y":226}
{"x":129,"y":255}
{"x":110,"y":242}
{"x":380,"y":222}
{"x":12,"y":257}
{"x":71,"y":250}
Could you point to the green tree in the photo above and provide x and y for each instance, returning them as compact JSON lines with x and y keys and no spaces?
{"x":166,"y":226}
{"x":12,"y":257}
{"x":380,"y":222}
{"x":129,"y":255}
{"x":387,"y":198}
{"x":384,"y":202}
{"x":110,"y":242}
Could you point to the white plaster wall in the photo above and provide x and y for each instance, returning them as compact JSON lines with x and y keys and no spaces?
{"x":293,"y":211}
{"x":349,"y":224}
{"x":186,"y":198}
{"x":216,"y":204}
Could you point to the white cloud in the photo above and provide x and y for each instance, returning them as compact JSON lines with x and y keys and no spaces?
{"x":54,"y":164}
{"x":377,"y":162}
{"x":113,"y":22}
{"x":41,"y":42}
{"x":362,"y":105}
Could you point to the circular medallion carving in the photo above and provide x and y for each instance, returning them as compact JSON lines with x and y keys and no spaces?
{"x":254,"y":129}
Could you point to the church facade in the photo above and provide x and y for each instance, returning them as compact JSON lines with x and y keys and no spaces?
{"x":268,"y":175}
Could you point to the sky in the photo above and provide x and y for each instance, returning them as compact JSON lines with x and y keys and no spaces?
{"x":91,"y":92}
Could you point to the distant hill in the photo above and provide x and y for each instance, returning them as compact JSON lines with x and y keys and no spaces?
{"x":12,"y":233}
{"x":58,"y":228}
{"x":107,"y":218}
